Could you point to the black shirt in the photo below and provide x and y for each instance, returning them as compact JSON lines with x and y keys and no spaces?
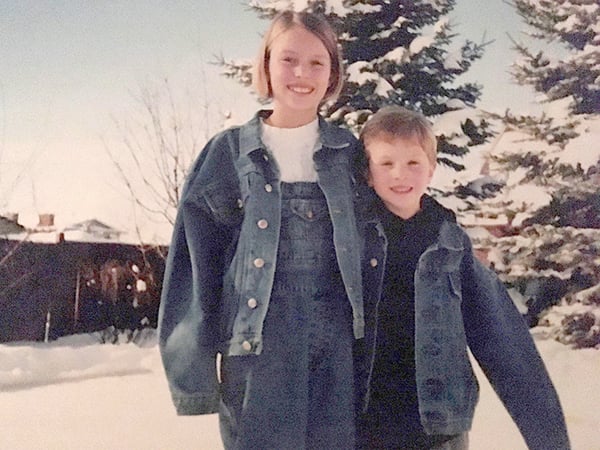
{"x":393,"y":414}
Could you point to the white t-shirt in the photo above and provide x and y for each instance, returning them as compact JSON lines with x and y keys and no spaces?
{"x":293,"y":149}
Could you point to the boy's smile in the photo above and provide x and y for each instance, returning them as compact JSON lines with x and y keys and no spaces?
{"x":399,"y":172}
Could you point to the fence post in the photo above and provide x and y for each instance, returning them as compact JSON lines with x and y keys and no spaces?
{"x":47,"y":328}
{"x":76,"y":311}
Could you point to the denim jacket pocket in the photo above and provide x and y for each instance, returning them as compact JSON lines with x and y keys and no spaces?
{"x":308,"y":210}
{"x":225,"y":203}
{"x":443,"y":260}
{"x":445,"y":264}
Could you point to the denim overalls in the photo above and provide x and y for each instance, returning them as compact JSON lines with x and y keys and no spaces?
{"x":307,"y":341}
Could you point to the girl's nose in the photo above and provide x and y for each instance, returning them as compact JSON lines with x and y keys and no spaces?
{"x":298,"y":70}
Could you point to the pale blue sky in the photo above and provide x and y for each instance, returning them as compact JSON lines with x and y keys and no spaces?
{"x":67,"y":66}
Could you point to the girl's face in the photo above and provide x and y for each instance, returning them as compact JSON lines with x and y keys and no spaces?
{"x":299,"y":71}
{"x":399,"y":171}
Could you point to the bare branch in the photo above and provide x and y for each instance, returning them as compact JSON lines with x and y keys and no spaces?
{"x":157,"y":143}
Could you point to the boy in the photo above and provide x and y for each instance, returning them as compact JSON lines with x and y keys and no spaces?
{"x":426,"y":300}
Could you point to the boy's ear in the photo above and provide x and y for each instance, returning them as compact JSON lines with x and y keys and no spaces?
{"x":432,"y":170}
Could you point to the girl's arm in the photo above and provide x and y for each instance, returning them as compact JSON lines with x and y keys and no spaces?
{"x":191,"y":306}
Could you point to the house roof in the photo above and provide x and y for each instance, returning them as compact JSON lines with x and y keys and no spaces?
{"x":93,"y":226}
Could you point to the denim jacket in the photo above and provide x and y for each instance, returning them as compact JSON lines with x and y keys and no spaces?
{"x":221,"y":262}
{"x":460,"y":304}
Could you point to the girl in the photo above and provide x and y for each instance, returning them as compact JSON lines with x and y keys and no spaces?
{"x":264,"y":265}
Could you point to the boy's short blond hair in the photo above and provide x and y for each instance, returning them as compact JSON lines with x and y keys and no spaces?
{"x":392,"y":122}
{"x":317,"y":25}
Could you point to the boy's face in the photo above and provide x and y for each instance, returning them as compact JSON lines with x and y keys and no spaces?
{"x":399,"y":171}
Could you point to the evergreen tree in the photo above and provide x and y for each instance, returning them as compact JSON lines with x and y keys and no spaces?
{"x":574,"y":81}
{"x":550,"y":164}
{"x":574,"y":24}
{"x":396,"y":52}
{"x":558,"y":152}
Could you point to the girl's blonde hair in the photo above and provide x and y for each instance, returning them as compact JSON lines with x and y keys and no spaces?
{"x":317,"y":25}
{"x":392,"y":122}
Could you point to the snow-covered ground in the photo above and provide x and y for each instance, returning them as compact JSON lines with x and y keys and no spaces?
{"x":78,"y":394}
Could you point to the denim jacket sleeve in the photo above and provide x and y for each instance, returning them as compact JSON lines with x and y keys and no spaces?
{"x":190,"y":310}
{"x":502,"y":344}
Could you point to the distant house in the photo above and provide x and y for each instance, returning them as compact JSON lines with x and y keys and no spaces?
{"x":91,"y":230}
{"x":56,"y":281}
{"x":9,"y":225}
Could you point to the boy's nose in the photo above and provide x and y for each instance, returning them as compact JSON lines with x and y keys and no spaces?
{"x":397,"y":172}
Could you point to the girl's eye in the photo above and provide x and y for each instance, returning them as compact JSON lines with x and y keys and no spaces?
{"x":288,"y":59}
{"x":318,"y":63}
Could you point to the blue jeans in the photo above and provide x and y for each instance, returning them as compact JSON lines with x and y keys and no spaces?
{"x":298,"y":393}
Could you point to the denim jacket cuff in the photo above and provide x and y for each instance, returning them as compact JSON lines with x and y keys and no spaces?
{"x":192,"y":405}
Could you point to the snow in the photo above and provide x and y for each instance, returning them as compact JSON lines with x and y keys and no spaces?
{"x":360,"y":73}
{"x":399,"y":22}
{"x":54,"y":236}
{"x":452,"y":61}
{"x":583,"y":149}
{"x":383,"y":87}
{"x":75,"y":393}
{"x":336,"y":7}
{"x":397,"y":55}
{"x":559,"y":109}
{"x":420,"y":43}
{"x":448,"y":124}
{"x":441,"y":25}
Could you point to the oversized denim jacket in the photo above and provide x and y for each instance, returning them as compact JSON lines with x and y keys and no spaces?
{"x":221,"y":262}
{"x":460,"y":303}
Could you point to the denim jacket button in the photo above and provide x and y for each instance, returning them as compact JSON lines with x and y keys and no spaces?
{"x":240,"y":203}
{"x":374,"y":262}
{"x":268,"y":187}
{"x":262,"y":224}
{"x":259,"y":262}
{"x":247,"y":346}
{"x":252,"y":303}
